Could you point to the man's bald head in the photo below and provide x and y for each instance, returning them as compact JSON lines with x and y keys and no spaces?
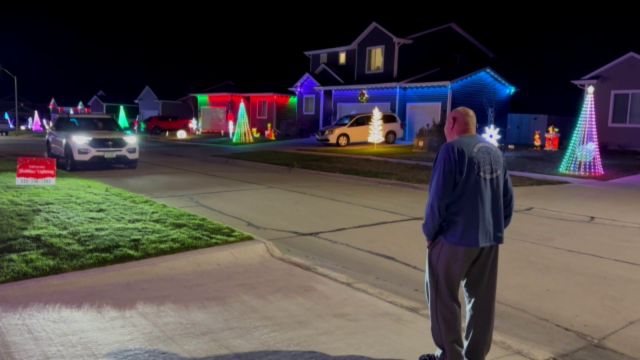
{"x":461,"y":122}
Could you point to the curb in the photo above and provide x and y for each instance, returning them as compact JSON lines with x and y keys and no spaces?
{"x":385,"y":296}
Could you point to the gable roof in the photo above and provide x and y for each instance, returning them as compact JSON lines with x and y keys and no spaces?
{"x":630,"y":55}
{"x":106,"y":100}
{"x":302,"y":80}
{"x":325,"y":68}
{"x":374,"y":25}
{"x":409,"y":39}
{"x":145,"y":90}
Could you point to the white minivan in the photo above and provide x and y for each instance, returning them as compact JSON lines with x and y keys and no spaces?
{"x":355,"y":129}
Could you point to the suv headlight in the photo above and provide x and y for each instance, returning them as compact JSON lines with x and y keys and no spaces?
{"x":80,"y":139}
{"x":131,"y":139}
{"x":329,"y":132}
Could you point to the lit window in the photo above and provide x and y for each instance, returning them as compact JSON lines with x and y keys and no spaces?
{"x":342,"y":58}
{"x":375,"y":59}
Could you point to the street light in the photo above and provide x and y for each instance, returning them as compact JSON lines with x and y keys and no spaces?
{"x":15,"y":88}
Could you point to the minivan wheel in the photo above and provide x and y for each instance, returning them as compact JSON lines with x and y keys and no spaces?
{"x":343,"y":140}
{"x":390,"y":137}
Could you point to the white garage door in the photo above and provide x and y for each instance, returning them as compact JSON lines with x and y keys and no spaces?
{"x":421,"y":115}
{"x":358,"y":108}
{"x":213,"y":119}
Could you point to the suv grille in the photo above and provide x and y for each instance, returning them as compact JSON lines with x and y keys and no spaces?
{"x":115,"y":143}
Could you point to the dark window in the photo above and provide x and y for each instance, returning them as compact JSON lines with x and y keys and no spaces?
{"x":389,"y":119}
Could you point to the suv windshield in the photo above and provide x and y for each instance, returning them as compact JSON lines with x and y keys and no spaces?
{"x":87,"y":124}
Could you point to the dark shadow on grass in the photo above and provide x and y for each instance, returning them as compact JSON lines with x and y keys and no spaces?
{"x":149,"y":354}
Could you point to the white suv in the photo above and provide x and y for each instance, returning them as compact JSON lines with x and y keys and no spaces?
{"x":355,"y":128}
{"x":91,"y":138}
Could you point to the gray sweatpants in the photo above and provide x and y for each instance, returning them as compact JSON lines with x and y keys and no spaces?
{"x":477,"y":269}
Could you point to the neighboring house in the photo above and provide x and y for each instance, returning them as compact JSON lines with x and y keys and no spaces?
{"x":216,"y":109}
{"x":420,"y":78}
{"x":102,"y":104}
{"x":150,"y":105}
{"x":522,"y":127}
{"x":56,"y":110}
{"x":617,"y":101}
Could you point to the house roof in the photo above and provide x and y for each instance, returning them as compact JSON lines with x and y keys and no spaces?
{"x":326,"y":74}
{"x":630,"y":55}
{"x":373,"y":26}
{"x":434,"y":79}
{"x":407,"y":40}
{"x":241,"y":94}
{"x":108,"y":100}
{"x":146,"y":89}
{"x":302,"y":79}
{"x":354,"y":44}
{"x":232,"y":87}
{"x":459,"y":30}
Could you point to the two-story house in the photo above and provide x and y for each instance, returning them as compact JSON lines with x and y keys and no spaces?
{"x":420,"y":77}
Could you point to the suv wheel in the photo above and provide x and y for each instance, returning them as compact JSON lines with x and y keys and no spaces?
{"x":69,"y":162}
{"x":49,"y":153}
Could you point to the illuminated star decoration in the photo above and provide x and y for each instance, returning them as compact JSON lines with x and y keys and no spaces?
{"x":492,"y":134}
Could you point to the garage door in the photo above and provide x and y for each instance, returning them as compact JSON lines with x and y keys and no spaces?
{"x":359,"y":108}
{"x":421,"y":115}
{"x":213,"y":119}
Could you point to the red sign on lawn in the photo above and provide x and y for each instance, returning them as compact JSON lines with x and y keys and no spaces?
{"x":36,"y":171}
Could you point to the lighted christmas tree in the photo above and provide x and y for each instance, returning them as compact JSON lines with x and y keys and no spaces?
{"x":122,"y":119}
{"x":80,"y":107}
{"x":53,"y":107}
{"x":583,"y":154}
{"x":242,"y":135}
{"x":37,"y":124}
{"x":375,"y":127}
{"x":6,"y":117}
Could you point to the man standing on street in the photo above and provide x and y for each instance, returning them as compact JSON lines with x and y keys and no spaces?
{"x":470,"y":204}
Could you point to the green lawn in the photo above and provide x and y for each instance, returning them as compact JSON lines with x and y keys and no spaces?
{"x":79,"y":224}
{"x":416,"y":174}
{"x":615,"y":163}
{"x":402,"y":152}
{"x":212,"y":139}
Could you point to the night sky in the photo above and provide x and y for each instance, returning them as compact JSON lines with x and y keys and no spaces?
{"x":72,"y":53}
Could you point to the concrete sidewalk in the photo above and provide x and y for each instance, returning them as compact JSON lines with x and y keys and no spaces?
{"x":230,"y":302}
